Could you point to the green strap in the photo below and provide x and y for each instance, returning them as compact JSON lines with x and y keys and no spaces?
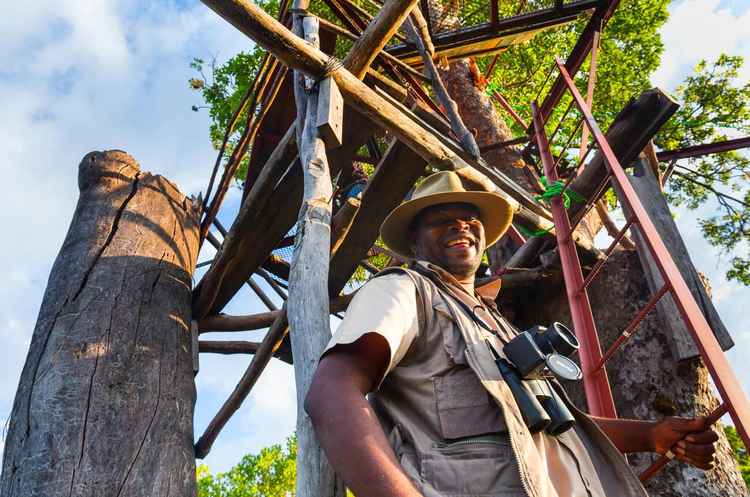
{"x":552,"y":190}
{"x":491,"y":88}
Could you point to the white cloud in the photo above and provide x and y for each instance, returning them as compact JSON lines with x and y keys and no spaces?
{"x":701,"y":29}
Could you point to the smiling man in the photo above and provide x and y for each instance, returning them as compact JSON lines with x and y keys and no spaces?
{"x":439,"y":420}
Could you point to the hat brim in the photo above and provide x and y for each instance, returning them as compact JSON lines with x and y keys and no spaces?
{"x":495,"y":212}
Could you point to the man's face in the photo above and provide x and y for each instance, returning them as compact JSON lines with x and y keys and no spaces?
{"x":450,"y":236}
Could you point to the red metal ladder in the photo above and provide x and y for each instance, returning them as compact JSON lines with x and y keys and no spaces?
{"x":596,"y":384}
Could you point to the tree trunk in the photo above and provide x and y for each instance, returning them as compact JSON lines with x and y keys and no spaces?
{"x":647,"y":383}
{"x":105,"y":401}
{"x":463,"y":81}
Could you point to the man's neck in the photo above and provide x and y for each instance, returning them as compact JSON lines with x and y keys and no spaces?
{"x":464,"y":282}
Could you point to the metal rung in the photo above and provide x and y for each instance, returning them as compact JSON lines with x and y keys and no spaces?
{"x":581,"y":164}
{"x":509,"y":109}
{"x":663,"y":460}
{"x":551,"y":139}
{"x":607,"y":253}
{"x":592,"y":200}
{"x":567,"y":144}
{"x":625,"y":335}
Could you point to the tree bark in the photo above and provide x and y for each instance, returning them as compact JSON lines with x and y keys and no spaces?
{"x":105,"y":401}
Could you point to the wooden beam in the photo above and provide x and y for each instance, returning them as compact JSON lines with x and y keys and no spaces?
{"x":228,"y":347}
{"x":465,"y":137}
{"x":628,"y":134}
{"x":392,"y":180}
{"x":224,"y":322}
{"x":681,"y":343}
{"x":385,"y":56}
{"x":254,"y":235}
{"x":262,"y":356}
{"x":228,"y":323}
{"x":377,"y":34}
{"x":631,"y":129}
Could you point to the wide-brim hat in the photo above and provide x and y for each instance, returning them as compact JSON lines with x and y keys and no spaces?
{"x":445,"y":187}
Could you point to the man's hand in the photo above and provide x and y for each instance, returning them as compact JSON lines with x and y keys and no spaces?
{"x":690,"y":440}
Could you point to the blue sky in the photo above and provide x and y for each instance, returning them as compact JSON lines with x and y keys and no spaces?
{"x":78,"y":76}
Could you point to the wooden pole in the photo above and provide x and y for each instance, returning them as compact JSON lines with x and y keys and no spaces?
{"x":308,"y":297}
{"x":377,"y":34}
{"x":465,"y":137}
{"x":233,"y":264}
{"x":105,"y":401}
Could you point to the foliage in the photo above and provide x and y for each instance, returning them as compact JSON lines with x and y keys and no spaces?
{"x":713,"y":106}
{"x":271,"y":472}
{"x":740,"y":453}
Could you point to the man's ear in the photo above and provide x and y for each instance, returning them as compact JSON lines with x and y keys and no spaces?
{"x":413,"y":242}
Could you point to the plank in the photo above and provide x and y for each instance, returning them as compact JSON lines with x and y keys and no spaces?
{"x":682,"y":346}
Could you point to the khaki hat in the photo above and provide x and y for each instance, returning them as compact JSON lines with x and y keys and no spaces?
{"x":495,"y":211}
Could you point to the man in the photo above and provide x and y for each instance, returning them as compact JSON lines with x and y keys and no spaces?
{"x":440,"y":420}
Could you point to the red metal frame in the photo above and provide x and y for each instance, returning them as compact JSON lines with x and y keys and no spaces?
{"x":595,"y":383}
{"x":597,"y":388}
{"x":704,"y":149}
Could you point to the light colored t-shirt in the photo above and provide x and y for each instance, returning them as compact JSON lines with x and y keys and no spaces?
{"x":387,"y":305}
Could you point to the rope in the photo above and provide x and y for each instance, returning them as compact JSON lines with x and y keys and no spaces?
{"x":557,"y":189}
{"x":332,"y":65}
{"x":491,"y":88}
{"x":552,"y":190}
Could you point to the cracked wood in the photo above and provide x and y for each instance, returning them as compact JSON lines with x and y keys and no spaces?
{"x":105,"y":401}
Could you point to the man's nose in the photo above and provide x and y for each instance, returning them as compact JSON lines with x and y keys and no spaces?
{"x":461,"y":225}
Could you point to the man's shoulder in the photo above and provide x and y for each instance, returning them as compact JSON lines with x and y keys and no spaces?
{"x":390,"y":278}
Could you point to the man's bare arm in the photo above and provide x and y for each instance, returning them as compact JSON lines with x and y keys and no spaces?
{"x":693,"y":442}
{"x":346,"y":425}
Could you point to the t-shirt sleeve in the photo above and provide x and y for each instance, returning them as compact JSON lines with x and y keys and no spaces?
{"x":386,"y":305}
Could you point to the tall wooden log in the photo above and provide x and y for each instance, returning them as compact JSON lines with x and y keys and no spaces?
{"x":308,"y":300}
{"x":681,"y":343}
{"x":105,"y":401}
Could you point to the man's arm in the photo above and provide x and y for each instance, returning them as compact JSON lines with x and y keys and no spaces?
{"x":692,"y":440}
{"x":346,"y":425}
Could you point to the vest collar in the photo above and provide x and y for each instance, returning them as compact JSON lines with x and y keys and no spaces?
{"x":487,"y":292}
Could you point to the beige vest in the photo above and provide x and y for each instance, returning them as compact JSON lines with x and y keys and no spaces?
{"x":439,"y":406}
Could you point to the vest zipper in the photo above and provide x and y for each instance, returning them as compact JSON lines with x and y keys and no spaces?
{"x":469,"y":442}
{"x":521,"y":476}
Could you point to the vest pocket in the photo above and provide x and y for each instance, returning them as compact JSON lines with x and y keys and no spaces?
{"x":464,"y":406}
{"x":473,"y":467}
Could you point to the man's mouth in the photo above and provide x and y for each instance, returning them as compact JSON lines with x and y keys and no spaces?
{"x":461,"y":242}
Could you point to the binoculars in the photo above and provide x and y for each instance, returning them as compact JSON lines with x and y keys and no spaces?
{"x":529,"y":357}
